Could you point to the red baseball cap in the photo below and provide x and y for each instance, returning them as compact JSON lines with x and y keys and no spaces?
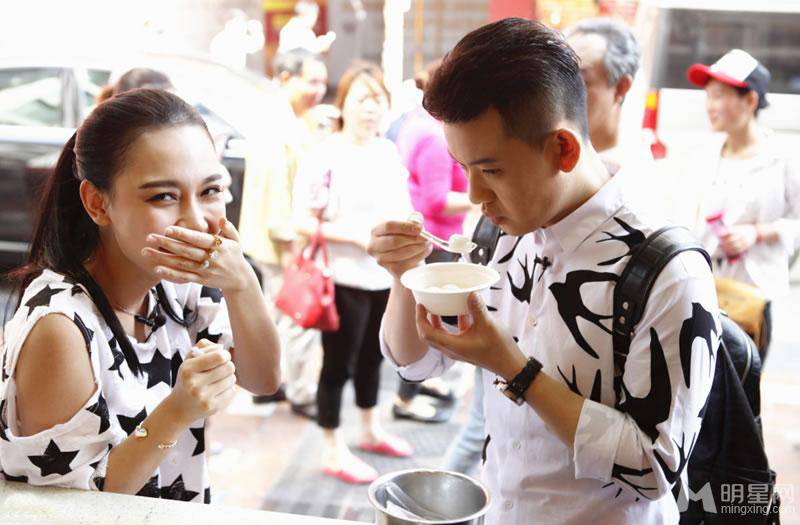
{"x":736,"y":68}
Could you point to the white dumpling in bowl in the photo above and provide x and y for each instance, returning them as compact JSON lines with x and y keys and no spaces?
{"x":460,"y":243}
{"x":443,"y":288}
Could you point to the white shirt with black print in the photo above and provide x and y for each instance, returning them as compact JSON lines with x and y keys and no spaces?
{"x":75,"y":453}
{"x":555,"y":297}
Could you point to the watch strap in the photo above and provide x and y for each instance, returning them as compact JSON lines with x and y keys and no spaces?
{"x":515,"y":389}
{"x":523,"y":380}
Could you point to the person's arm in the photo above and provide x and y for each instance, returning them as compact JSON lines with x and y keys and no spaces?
{"x":398,"y":247}
{"x":399,"y":327}
{"x":417,"y":361}
{"x":641,"y":445}
{"x":256,"y":341}
{"x":742,"y":237}
{"x":132,"y":462}
{"x":487,"y":345}
{"x":187,"y":260}
{"x":785,"y":230}
{"x":46,"y":399}
{"x":399,"y":337}
{"x":65,"y":404}
{"x":205,"y":384}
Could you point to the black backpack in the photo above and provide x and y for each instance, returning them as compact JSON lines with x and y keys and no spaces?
{"x":728,"y":457}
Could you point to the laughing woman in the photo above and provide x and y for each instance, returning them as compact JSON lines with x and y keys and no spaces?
{"x":134,"y":294}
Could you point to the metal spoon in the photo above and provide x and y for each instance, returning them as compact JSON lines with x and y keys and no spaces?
{"x":399,"y":497}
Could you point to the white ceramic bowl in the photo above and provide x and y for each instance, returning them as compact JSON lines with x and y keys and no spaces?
{"x":451,"y":282}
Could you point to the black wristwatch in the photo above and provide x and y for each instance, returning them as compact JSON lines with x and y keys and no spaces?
{"x":515,"y":390}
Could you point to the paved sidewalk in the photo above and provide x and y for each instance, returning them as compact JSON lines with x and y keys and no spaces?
{"x":270,"y":458}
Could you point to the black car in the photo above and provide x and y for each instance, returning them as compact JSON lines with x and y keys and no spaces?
{"x":41,"y":104}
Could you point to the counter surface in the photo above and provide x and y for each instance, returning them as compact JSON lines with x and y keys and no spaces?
{"x":23,"y":504}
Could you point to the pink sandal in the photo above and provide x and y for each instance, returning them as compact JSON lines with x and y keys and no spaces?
{"x":366,"y":474}
{"x":400,"y":449}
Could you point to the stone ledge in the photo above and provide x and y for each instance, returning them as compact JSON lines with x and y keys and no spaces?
{"x":23,"y":504}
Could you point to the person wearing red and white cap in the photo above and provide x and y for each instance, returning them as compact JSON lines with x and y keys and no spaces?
{"x":751,"y":180}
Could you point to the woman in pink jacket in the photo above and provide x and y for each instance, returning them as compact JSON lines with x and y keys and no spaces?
{"x":438,"y":188}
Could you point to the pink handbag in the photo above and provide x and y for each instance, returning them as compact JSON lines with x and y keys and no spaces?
{"x":307,"y":294}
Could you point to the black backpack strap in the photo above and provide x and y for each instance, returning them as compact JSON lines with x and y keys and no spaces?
{"x":485,"y":236}
{"x":636,"y":282}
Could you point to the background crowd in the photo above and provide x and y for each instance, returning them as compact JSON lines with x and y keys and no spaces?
{"x":363,"y":166}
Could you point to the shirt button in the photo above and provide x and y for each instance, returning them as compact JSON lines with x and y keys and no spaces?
{"x":508,"y":504}
{"x":517,"y":445}
{"x":533,"y":320}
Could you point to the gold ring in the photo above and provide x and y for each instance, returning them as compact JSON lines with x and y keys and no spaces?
{"x":217,"y":241}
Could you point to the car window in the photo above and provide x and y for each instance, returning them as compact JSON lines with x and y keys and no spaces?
{"x":31,"y":97}
{"x":91,"y":82}
{"x":219,"y":129}
{"x":702,"y":36}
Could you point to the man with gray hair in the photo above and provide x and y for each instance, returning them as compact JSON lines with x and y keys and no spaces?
{"x":303,"y":77}
{"x":609,"y":58}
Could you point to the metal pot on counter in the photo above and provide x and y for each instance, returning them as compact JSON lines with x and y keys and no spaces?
{"x":428,"y":497}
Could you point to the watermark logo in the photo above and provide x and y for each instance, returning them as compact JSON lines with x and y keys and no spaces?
{"x":738,"y":499}
{"x":704,"y":494}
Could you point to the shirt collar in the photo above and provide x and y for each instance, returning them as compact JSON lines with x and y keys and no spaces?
{"x":568,"y":233}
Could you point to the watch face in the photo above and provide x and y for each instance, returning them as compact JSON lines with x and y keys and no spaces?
{"x":513,"y":397}
{"x":140,"y":432}
{"x":503,"y":387}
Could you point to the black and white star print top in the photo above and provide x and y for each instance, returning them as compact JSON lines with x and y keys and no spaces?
{"x":555,"y":297}
{"x":75,"y":453}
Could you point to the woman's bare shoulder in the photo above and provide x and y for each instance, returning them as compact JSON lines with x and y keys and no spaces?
{"x":53,"y":375}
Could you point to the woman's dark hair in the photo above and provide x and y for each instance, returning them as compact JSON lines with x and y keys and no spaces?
{"x":523,"y":69}
{"x":355,"y":72}
{"x":140,"y":77}
{"x":65,"y":236}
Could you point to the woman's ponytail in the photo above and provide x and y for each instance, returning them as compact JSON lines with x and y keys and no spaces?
{"x":63,"y":229}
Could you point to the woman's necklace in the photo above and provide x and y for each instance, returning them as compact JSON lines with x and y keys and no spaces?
{"x":120,"y":309}
{"x":138,"y":318}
